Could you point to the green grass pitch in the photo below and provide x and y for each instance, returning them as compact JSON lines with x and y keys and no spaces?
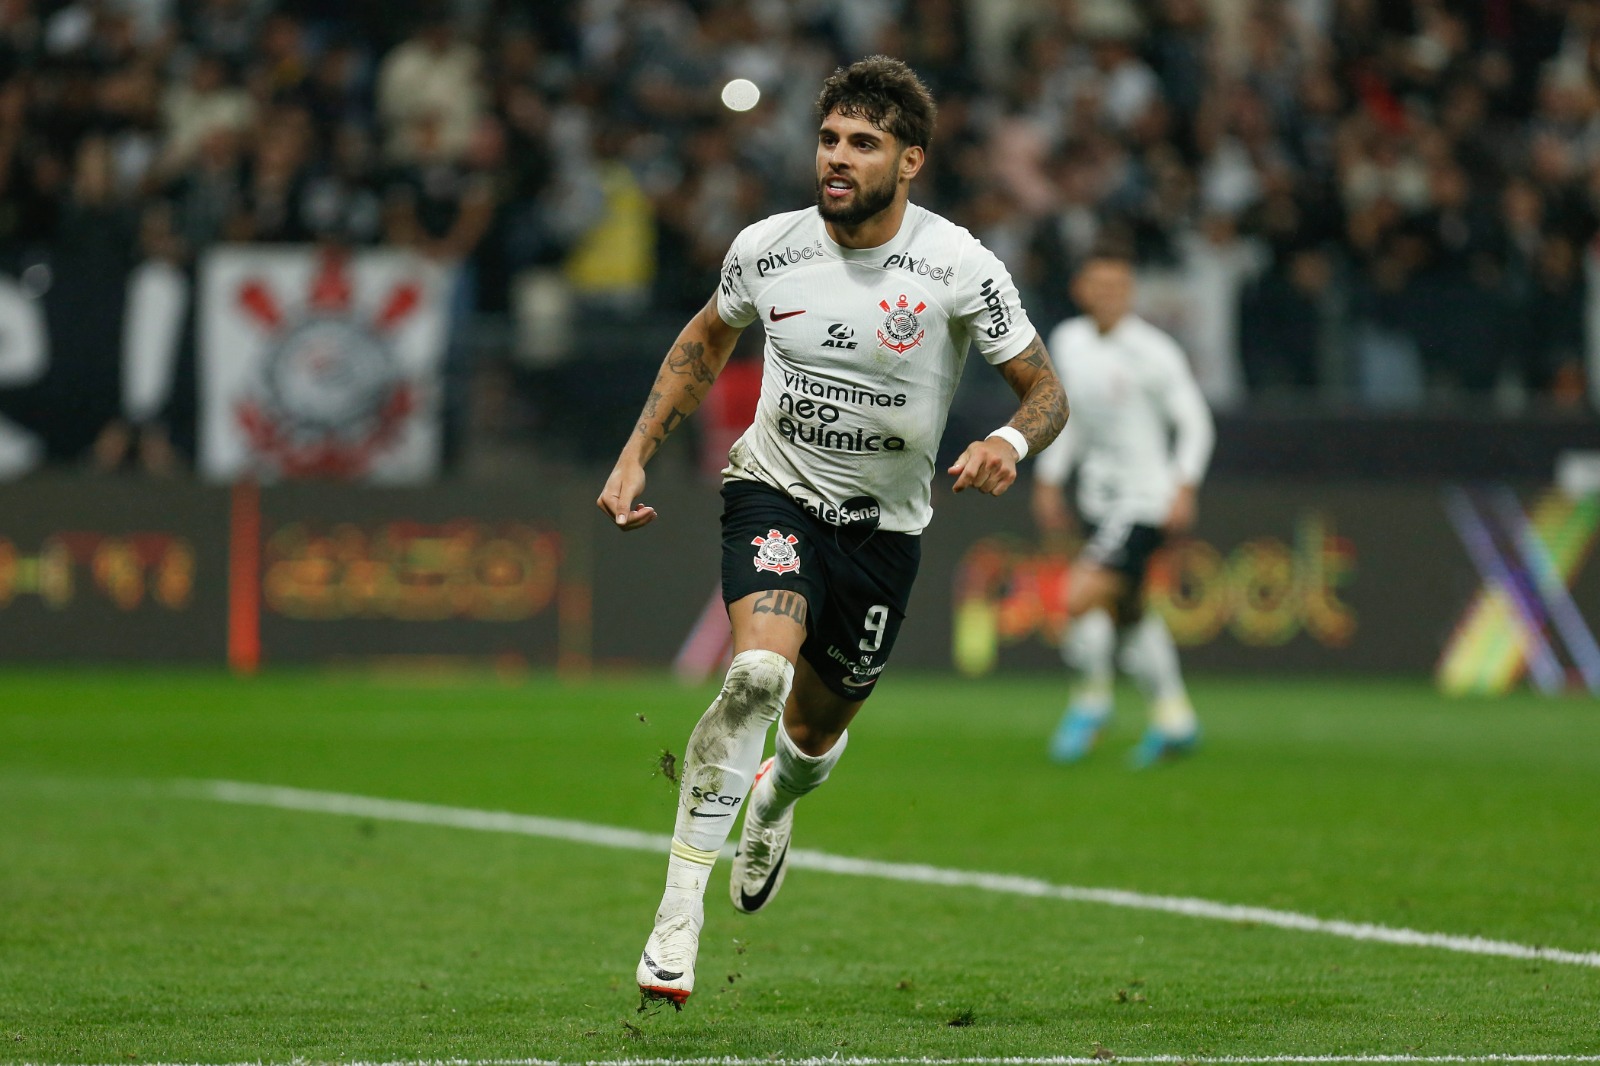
{"x":140,"y":925}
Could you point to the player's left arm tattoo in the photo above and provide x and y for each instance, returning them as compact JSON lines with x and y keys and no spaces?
{"x":1044,"y":410}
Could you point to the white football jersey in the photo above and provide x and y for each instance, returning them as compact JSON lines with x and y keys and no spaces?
{"x":864,"y":349}
{"x":1139,"y":425}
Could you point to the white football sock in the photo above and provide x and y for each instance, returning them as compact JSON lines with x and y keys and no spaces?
{"x":1089,"y":648}
{"x":1151,"y":658}
{"x":1174,"y":717}
{"x":793,"y":774}
{"x":723,"y":756}
{"x":686,"y":886}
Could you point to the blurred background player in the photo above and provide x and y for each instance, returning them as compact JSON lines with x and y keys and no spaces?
{"x":1140,"y":438}
{"x":827,"y":492}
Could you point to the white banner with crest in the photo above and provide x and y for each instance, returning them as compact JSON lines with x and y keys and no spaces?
{"x":318,"y":363}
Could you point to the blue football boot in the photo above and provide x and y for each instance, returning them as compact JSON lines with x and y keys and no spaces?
{"x":1158,"y":747}
{"x":1079,"y":730}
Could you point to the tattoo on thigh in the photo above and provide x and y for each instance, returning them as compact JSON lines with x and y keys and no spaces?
{"x":788,"y":604}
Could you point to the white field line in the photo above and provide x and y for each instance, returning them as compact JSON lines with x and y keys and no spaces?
{"x":915,"y":873}
{"x":1057,"y":1060}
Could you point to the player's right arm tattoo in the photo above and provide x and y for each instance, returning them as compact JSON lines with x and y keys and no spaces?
{"x":1044,"y":402}
{"x":689,"y":358}
{"x":681,"y":384}
{"x":685,"y":377}
{"x":789,"y":604}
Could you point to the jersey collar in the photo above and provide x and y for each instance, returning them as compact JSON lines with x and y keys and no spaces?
{"x":913,"y":218}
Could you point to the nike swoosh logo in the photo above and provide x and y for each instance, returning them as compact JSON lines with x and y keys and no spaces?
{"x":700,"y":814}
{"x":850,"y":682}
{"x":754,"y":902}
{"x":772,"y":313}
{"x":665,"y":975}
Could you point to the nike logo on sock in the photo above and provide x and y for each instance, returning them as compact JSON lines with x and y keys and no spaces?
{"x":701,"y":814}
{"x":772,"y":313}
{"x":754,"y":903}
{"x":665,"y":975}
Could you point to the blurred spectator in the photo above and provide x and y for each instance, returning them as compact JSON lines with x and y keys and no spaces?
{"x":208,"y":197}
{"x":1279,"y":329}
{"x":429,"y":84}
{"x":441,"y":204}
{"x":1554,"y":343}
{"x":225,"y":28}
{"x":282,"y":64}
{"x":1452,"y":299}
{"x":440,"y":201}
{"x":30,"y":174}
{"x":336,"y":93}
{"x":208,"y":101}
{"x":612,"y":265}
{"x":273,"y":206}
{"x":92,"y":253}
{"x":339,"y":202}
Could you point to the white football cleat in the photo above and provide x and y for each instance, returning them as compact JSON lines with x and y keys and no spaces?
{"x":666,"y":967}
{"x":759,"y":864}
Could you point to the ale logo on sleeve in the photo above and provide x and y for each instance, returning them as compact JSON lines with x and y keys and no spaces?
{"x":775,"y":552}
{"x":901,"y":330}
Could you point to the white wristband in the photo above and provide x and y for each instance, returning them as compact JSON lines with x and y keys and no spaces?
{"x":1014,"y":438}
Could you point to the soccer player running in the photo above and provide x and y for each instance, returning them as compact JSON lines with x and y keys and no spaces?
{"x":869,"y":304}
{"x":1141,"y":439}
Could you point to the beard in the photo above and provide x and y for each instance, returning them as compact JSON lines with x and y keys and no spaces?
{"x":868,"y":201}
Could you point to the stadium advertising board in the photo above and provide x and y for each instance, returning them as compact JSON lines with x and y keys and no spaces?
{"x":1485,"y":589}
{"x":1532,"y":613}
{"x":451,"y":573}
{"x":112,"y":571}
{"x":1287,"y":577}
{"x":126,"y":571}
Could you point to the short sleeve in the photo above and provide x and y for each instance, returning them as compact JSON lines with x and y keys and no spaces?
{"x":988,"y":304}
{"x":733,"y":296}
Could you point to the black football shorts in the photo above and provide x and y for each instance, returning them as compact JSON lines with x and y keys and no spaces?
{"x":855,"y":579}
{"x":1125,"y":547}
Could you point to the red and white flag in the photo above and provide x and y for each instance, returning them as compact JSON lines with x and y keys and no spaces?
{"x":323,"y":364}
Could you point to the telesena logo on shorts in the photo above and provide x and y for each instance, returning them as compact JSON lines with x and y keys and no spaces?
{"x":858,"y":514}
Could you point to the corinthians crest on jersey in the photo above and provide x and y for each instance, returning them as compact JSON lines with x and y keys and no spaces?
{"x":901,"y":330}
{"x":775,"y":552}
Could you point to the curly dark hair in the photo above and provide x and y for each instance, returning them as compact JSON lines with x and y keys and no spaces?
{"x":1115,"y":243}
{"x":885,"y":92}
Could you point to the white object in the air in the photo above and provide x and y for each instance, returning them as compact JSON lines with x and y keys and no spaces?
{"x":740,"y":94}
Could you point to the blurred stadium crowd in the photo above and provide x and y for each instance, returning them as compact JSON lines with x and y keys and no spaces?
{"x":1384,"y":202}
